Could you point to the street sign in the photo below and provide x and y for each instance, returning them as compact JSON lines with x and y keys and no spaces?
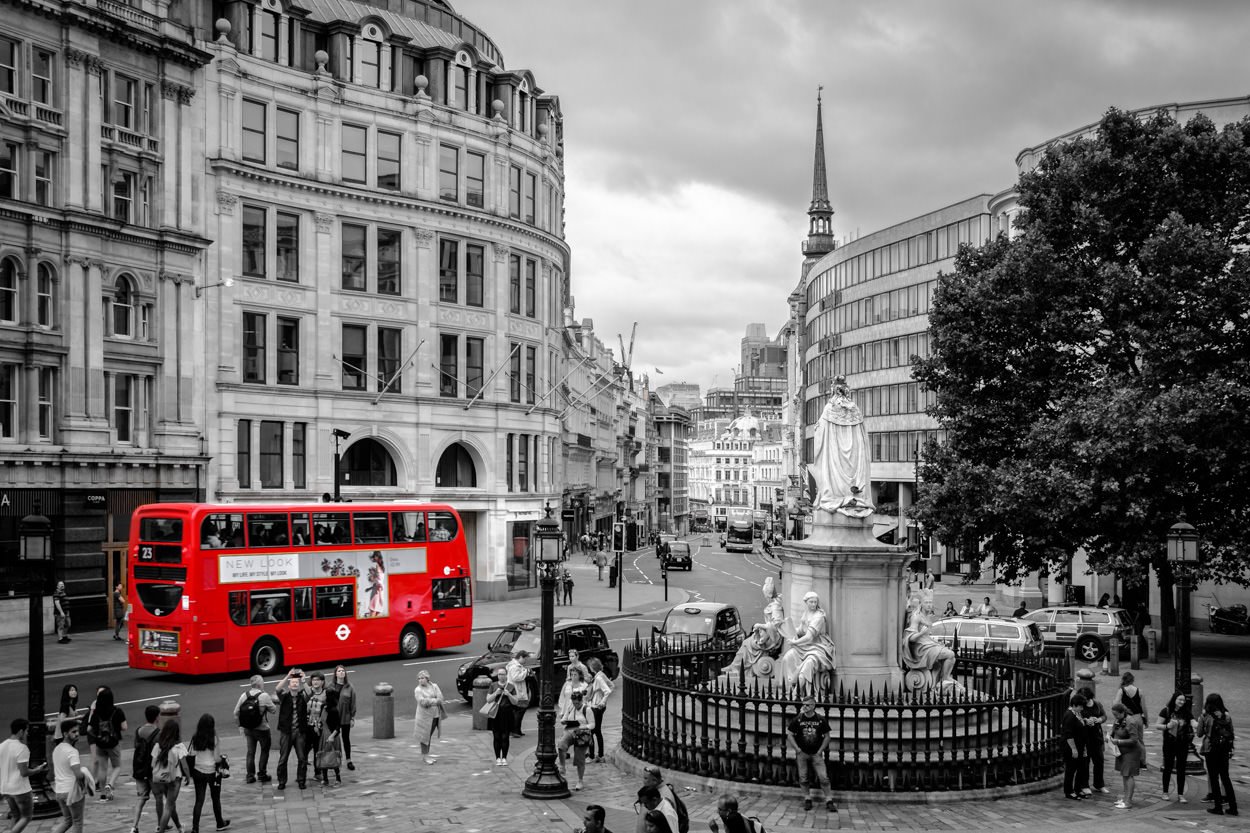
{"x":569,"y":514}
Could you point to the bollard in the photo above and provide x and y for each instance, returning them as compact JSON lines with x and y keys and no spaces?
{"x":1070,"y":655}
{"x":1113,"y":657}
{"x":1196,"y":695}
{"x":170,"y":710}
{"x":612,"y":575}
{"x":481,"y":685}
{"x":383,"y":711}
{"x":1083,"y":679}
{"x":1134,"y":652}
{"x":1152,"y":645}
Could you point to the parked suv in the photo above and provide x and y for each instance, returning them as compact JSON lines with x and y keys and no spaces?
{"x":585,"y":636}
{"x":1087,"y":629}
{"x":993,"y":634}
{"x":702,"y":624}
{"x":679,"y":557}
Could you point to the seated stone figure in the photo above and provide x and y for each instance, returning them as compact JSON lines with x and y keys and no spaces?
{"x":810,"y":658}
{"x":757,"y":656}
{"x":929,"y":663}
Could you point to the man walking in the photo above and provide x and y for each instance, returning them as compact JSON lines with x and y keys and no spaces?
{"x":292,"y":726}
{"x":808,"y":733}
{"x":592,"y":821}
{"x":568,"y":587}
{"x":60,"y":611}
{"x":1095,"y":716}
{"x":67,"y":771}
{"x":252,"y":713}
{"x":141,"y":763}
{"x":15,"y":775}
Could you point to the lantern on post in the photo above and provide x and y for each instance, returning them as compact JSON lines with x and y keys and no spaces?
{"x":34,"y":533}
{"x":546,"y":782}
{"x":1183,"y":556}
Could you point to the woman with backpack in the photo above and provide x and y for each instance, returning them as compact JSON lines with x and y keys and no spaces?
{"x":1215,"y":727}
{"x":169,"y":773}
{"x":347,"y":711}
{"x":105,"y":728}
{"x":1176,"y":720}
{"x":207,"y":767}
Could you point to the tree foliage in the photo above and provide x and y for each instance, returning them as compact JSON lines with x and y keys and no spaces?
{"x":1093,"y":373}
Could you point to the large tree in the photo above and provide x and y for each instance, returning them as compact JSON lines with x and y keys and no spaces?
{"x":1093,"y":373}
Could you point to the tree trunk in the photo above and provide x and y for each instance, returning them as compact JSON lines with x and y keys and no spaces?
{"x":1167,"y":605}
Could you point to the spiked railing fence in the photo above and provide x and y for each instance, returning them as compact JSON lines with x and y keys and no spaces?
{"x":999,"y":728}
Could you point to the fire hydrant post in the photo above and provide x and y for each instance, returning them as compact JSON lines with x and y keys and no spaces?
{"x":481,"y":685}
{"x":383,"y":711}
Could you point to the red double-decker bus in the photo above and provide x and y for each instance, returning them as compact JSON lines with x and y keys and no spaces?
{"x":234,"y":587}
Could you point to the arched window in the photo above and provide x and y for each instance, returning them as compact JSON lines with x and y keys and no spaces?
{"x":8,"y":291}
{"x":456,"y":469}
{"x":45,"y":290}
{"x":123,"y":308}
{"x":368,"y":463}
{"x":371,"y":56}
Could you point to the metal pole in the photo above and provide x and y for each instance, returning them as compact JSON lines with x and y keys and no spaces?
{"x":620,"y":585}
{"x":664,"y":572}
{"x":36,"y":733}
{"x":1183,"y":680}
{"x":337,"y":497}
{"x":546,"y":782}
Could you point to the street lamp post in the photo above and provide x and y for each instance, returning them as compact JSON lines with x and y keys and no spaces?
{"x":339,"y":434}
{"x":1183,"y":556}
{"x":35,"y":540}
{"x":546,"y":782}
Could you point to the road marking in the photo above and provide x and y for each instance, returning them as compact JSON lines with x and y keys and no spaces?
{"x":444,"y":659}
{"x":125,"y":702}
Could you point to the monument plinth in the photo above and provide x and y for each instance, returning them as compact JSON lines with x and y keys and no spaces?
{"x":864,"y":583}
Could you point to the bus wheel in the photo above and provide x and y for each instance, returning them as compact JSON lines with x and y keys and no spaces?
{"x":266,"y":656}
{"x":411,"y":642}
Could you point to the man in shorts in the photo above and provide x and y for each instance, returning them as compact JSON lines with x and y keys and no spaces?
{"x":15,"y":775}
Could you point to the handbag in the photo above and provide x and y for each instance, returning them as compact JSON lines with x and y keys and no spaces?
{"x":490,"y":709}
{"x":329,"y":756}
{"x":581,"y":737}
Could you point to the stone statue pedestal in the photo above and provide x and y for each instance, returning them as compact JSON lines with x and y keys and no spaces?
{"x":861,"y":583}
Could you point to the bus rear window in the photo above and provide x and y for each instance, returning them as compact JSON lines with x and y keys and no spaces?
{"x":160,"y":529}
{"x":159,"y":599}
{"x":443,"y":526}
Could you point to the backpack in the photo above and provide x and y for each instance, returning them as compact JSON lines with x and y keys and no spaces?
{"x":683,"y":815}
{"x":1220,"y":740}
{"x":141,"y":766}
{"x":249,"y":711}
{"x":755,"y":824}
{"x":106,"y":736}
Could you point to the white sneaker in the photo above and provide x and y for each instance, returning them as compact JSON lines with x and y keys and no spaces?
{"x":1167,"y":796}
{"x":1104,"y":791}
{"x":503,"y":761}
{"x":1182,"y":799}
{"x":1087,"y":792}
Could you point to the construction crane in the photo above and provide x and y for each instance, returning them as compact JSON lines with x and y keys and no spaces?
{"x":627,"y":358}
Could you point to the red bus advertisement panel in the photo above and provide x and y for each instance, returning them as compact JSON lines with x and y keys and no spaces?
{"x":233,"y":587}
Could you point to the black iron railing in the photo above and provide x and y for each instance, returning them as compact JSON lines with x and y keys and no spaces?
{"x":999,"y":727}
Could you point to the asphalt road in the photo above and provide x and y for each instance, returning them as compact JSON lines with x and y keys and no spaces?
{"x":717,"y":576}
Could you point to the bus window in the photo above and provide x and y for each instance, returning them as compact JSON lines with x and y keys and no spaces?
{"x":218,"y":531}
{"x":371,"y":528}
{"x":267,"y":530}
{"x":160,"y":529}
{"x":408,"y":526}
{"x":270,"y":606}
{"x":330,"y":528}
{"x":159,"y":599}
{"x":450,"y":593}
{"x":442,"y":526}
{"x":299,"y":530}
{"x":334,"y":601}
{"x":238,"y":607}
{"x":303,"y":604}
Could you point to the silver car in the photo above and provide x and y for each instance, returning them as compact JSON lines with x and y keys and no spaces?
{"x":1087,"y":629}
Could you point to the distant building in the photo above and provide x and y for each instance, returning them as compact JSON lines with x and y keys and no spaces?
{"x":681,"y":394}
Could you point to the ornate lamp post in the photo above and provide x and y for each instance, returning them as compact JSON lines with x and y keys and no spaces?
{"x":1183,"y":556}
{"x":339,"y":434}
{"x":547,"y":782}
{"x":35,"y":536}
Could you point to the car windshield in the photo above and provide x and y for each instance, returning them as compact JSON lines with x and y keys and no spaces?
{"x":679,"y":548}
{"x":511,"y":640}
{"x":688,"y":623}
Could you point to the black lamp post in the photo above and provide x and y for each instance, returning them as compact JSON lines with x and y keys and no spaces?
{"x":339,"y":434}
{"x":35,"y":536}
{"x":547,"y":782}
{"x":1183,"y":556}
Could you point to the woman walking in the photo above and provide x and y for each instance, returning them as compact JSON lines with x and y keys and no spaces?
{"x":1176,"y":721}
{"x":1126,"y":737}
{"x":500,"y":703}
{"x":430,"y":711}
{"x":170,"y":774}
{"x":518,"y":675}
{"x":1215,"y":727}
{"x":347,"y":711}
{"x":577,"y":720}
{"x":600,"y":691}
{"x":1130,"y":695}
{"x":206,"y":764}
{"x":68,"y":710}
{"x":105,"y":729}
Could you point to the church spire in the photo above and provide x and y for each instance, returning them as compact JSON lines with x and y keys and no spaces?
{"x":820,"y":214}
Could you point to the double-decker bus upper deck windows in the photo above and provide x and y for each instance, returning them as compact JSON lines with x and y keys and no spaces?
{"x":334,"y":601}
{"x":332,"y":528}
{"x":160,"y":529}
{"x":300,"y":536}
{"x":408,"y":526}
{"x":267,"y":530}
{"x":270,"y":606}
{"x":443,"y":526}
{"x":221,"y":532}
{"x":371,"y":528}
{"x":449,"y":593}
{"x":303,"y":603}
{"x":238,"y":607}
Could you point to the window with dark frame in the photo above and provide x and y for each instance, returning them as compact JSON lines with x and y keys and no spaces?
{"x":286,"y":143}
{"x":475,"y":179}
{"x":254,"y":347}
{"x":514,"y":192}
{"x":448,"y":278}
{"x":254,"y":241}
{"x":288,"y":351}
{"x":299,"y":462}
{"x":531,"y":291}
{"x":389,"y":341}
{"x":286,"y":247}
{"x":388,"y":261}
{"x":243,"y":453}
{"x":354,"y":242}
{"x":449,"y":347}
{"x":531,"y":185}
{"x":474,"y":369}
{"x":510,"y":462}
{"x":355,"y":357}
{"x":355,"y":153}
{"x":448,"y":173}
{"x":253,"y":131}
{"x":270,"y":454}
{"x":531,"y":360}
{"x":474,"y":275}
{"x":388,"y":160}
{"x":514,"y":372}
{"x":514,"y":284}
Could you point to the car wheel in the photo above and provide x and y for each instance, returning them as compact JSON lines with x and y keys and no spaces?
{"x":266,"y":656}
{"x":1089,"y":648}
{"x":411,"y":642}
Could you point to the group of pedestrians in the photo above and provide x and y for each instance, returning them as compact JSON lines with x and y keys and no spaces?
{"x":315,"y":719}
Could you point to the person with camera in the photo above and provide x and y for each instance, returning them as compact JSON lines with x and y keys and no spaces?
{"x":292,"y":726}
{"x":208,"y":767}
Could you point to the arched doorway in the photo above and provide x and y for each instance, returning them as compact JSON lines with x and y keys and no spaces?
{"x":456,"y":469}
{"x":368,"y":463}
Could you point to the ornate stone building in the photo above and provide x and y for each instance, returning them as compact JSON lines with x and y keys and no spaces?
{"x":101,"y":246}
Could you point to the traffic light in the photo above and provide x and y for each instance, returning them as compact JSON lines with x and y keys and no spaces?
{"x":618,"y":537}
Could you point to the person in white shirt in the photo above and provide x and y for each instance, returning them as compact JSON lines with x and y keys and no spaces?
{"x":15,"y":775}
{"x":967,"y":609}
{"x":600,"y":691}
{"x":650,"y":799}
{"x":68,"y":772}
{"x":257,"y":735}
{"x":987,"y":608}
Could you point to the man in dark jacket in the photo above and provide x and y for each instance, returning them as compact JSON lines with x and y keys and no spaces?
{"x":727,"y":809}
{"x":292,"y":726}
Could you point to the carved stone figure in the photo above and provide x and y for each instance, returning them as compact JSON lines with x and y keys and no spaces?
{"x":810,"y":658}
{"x":929,"y":663}
{"x":841,"y":468}
{"x":757,"y":656}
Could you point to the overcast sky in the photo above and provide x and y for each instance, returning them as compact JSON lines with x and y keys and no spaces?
{"x":689,"y":128}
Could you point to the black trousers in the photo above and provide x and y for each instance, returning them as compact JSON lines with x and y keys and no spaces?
{"x":1175,"y":751}
{"x":1217,"y":771}
{"x":596,"y":736}
{"x":1095,"y":751}
{"x":501,"y":730}
{"x":210,"y":783}
{"x":345,"y":732}
{"x":1071,"y":771}
{"x":255,"y":738}
{"x":286,"y":742}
